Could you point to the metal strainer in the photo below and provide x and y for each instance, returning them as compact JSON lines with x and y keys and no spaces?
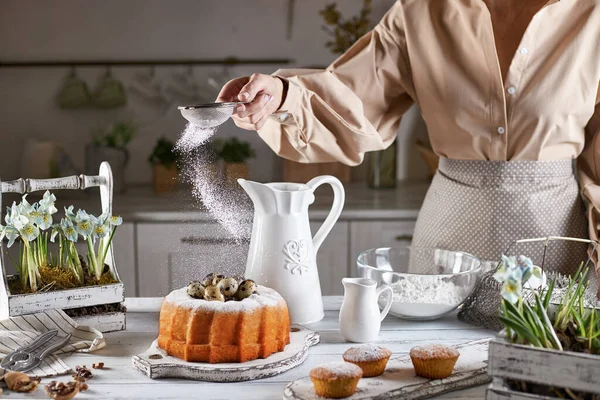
{"x":209,"y":115}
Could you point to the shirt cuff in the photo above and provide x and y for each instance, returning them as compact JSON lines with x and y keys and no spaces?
{"x":290,"y":104}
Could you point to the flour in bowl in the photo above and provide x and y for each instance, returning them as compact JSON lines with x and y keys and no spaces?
{"x":425,"y":298}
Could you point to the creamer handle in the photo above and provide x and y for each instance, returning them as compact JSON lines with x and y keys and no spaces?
{"x":390,"y":297}
{"x":336,"y":208}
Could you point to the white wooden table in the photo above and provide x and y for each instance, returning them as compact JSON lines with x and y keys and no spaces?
{"x":120,"y":381}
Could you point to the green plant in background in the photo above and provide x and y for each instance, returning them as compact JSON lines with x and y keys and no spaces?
{"x":233,"y":150}
{"x":345,"y":33}
{"x":164,"y":153}
{"x":115,"y":136}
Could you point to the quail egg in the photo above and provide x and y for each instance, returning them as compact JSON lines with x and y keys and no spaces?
{"x":228,"y":286}
{"x":246,"y":289}
{"x":195,"y":290}
{"x":213,"y":293}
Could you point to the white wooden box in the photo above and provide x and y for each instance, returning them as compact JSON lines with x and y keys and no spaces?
{"x":565,"y":369}
{"x":19,"y":304}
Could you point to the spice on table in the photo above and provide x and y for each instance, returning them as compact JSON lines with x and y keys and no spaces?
{"x":82,"y":373}
{"x":99,"y":365}
{"x":20,"y":382}
{"x":64,"y":391}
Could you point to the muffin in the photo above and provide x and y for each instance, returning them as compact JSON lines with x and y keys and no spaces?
{"x":434,"y":361}
{"x":335,"y":380}
{"x":372,"y":359}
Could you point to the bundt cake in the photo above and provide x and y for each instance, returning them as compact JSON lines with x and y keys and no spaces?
{"x":201,"y":324}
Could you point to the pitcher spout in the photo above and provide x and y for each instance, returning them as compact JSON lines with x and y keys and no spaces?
{"x":261,"y":195}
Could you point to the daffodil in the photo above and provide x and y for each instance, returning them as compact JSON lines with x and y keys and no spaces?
{"x":512,"y":290}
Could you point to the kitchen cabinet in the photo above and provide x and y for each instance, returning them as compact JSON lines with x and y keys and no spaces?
{"x":170,"y":255}
{"x":332,"y":258}
{"x":124,"y":251}
{"x":366,"y":235}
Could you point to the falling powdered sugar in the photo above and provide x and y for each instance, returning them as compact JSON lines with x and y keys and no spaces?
{"x":226,"y":201}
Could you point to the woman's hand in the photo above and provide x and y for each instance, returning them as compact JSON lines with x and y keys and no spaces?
{"x":263,"y":95}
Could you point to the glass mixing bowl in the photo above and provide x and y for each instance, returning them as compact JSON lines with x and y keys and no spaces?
{"x":427,"y":283}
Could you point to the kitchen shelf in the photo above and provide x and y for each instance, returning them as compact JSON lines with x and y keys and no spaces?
{"x":138,"y":63}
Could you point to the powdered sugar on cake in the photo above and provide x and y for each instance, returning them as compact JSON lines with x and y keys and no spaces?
{"x":337,"y":369}
{"x":430,"y":351}
{"x":264,"y":296}
{"x":366,"y":353}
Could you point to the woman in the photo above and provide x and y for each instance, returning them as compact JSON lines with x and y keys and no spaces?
{"x":509,"y":90}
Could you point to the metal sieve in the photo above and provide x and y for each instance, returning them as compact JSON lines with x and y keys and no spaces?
{"x":209,"y":115}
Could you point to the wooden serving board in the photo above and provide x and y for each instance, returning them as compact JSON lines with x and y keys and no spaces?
{"x":155,"y":363}
{"x":400,"y":382}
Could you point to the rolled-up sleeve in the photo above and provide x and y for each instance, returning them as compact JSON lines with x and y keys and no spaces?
{"x":353,"y":106}
{"x":589,"y":174}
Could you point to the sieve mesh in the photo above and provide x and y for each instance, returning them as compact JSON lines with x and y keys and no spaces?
{"x":208,"y":115}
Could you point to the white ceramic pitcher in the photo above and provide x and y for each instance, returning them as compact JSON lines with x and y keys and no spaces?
{"x":282,"y":251}
{"x":360,"y":318}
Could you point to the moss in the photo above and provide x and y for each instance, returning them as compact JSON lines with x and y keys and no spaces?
{"x":60,"y":279}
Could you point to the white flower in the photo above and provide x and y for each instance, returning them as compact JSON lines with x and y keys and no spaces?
{"x":10,"y":233}
{"x":45,"y":221}
{"x":46,"y":205}
{"x":537,"y":279}
{"x":68,"y":229}
{"x":84,"y":228}
{"x":69,"y":213}
{"x":512,"y":290}
{"x":81,"y":216}
{"x":29,"y":232}
{"x":115,"y":220}
{"x":14,"y":218}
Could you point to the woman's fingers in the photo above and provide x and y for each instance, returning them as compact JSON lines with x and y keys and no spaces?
{"x":231,"y":90}
{"x":254,"y":107}
{"x":252,"y":121}
{"x":257,"y":83}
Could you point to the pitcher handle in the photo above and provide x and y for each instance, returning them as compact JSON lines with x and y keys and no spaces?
{"x":386,"y":309}
{"x":336,"y":208}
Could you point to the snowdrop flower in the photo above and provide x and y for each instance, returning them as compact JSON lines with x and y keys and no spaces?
{"x":512,"y":290}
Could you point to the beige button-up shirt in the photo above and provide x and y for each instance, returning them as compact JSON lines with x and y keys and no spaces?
{"x":441,"y":55}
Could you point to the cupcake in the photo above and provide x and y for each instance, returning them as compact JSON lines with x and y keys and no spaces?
{"x":335,"y":380}
{"x":372,"y":359}
{"x":434,"y":361}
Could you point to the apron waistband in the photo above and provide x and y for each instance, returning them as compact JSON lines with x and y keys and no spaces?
{"x":506,"y":169}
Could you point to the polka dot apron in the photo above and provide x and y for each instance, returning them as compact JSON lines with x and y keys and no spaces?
{"x":481,"y":207}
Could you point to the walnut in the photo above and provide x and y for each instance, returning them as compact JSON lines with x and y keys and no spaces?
{"x":99,"y":365}
{"x":20,"y":382}
{"x":82,"y":372}
{"x":64,"y":391}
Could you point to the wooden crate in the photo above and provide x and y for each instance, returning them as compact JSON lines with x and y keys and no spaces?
{"x":576,"y":371}
{"x":19,"y":304}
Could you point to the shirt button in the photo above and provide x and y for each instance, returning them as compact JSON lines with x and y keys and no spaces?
{"x":524,"y":50}
{"x":500,"y":130}
{"x":511,"y":90}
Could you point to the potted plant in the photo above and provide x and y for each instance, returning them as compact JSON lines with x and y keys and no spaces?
{"x":234,"y":154}
{"x":110,"y":144}
{"x":548,"y":350}
{"x":165,"y":170}
{"x":52,"y":273}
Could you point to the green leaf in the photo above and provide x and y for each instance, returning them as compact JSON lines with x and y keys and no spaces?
{"x":549,"y":292}
{"x":521,"y":330}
